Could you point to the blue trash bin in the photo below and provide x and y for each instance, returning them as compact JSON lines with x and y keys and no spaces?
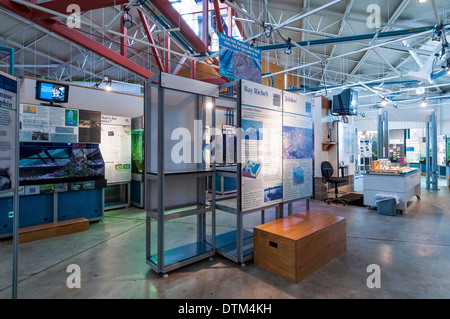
{"x":386,"y":206}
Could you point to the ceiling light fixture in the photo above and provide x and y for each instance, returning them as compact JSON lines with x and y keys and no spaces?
{"x":423,"y":103}
{"x":288,"y":46}
{"x":384,"y":102}
{"x":127,"y":19}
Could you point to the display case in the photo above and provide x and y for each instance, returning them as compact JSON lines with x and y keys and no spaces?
{"x":180,"y":219}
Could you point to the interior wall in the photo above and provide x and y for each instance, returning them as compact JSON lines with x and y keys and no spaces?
{"x":84,"y":98}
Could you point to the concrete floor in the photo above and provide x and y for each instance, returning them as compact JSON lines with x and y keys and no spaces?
{"x":412,"y":250}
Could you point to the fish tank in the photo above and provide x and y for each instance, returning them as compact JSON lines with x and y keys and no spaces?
{"x":137,"y":151}
{"x":46,"y":163}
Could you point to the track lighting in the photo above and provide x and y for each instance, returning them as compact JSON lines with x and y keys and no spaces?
{"x":127,"y":19}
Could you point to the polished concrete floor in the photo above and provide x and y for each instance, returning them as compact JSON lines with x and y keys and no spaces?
{"x":412,"y":250}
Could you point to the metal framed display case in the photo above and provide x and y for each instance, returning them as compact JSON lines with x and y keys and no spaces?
{"x":180,"y":223}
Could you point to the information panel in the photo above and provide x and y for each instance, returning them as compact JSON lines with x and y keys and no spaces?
{"x":8,"y":109}
{"x":116,"y":148}
{"x":298,"y":146}
{"x":261,"y":147}
{"x":40,"y":123}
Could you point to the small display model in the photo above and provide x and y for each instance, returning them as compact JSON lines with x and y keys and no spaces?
{"x":52,"y":92}
{"x":345,"y":103}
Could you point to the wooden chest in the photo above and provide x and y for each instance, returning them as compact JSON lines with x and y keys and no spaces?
{"x":295,"y":246}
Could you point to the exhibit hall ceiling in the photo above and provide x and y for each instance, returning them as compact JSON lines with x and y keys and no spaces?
{"x":393,"y":50}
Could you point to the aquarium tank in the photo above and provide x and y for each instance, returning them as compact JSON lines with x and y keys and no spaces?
{"x":59,"y":162}
{"x":137,"y":151}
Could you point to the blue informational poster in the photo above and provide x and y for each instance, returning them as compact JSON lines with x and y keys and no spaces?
{"x":8,"y":109}
{"x":239,"y":60}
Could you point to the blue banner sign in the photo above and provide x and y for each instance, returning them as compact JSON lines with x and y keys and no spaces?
{"x":239,"y":60}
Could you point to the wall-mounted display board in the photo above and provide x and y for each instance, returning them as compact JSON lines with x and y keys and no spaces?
{"x":39,"y":123}
{"x":116,"y":148}
{"x":8,"y":115}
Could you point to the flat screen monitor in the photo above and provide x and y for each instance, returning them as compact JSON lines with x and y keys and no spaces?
{"x":52,"y":92}
{"x":345,"y":103}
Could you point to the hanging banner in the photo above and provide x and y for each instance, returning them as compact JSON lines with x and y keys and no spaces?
{"x":298,"y":147}
{"x":8,"y":109}
{"x":239,"y":60}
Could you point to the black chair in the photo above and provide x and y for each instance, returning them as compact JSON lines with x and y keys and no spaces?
{"x":327,"y":173}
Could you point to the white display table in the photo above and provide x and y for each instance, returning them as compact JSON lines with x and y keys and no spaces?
{"x":404,"y":185}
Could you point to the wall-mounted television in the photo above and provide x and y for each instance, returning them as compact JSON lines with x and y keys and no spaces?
{"x":345,"y":103}
{"x":52,"y":92}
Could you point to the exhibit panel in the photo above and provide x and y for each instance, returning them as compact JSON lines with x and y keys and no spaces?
{"x":116,"y":151}
{"x":54,"y":161}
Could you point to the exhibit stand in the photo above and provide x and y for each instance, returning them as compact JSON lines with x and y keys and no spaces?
{"x":176,"y":172}
{"x":61,"y":169}
{"x":9,"y":168}
{"x":274,"y":151}
{"x":116,"y":150}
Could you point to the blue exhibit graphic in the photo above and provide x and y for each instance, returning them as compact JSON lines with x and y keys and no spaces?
{"x":298,"y":175}
{"x":297,"y":143}
{"x":273,"y":193}
{"x":252,"y":130}
{"x":239,"y":60}
{"x":251,"y":169}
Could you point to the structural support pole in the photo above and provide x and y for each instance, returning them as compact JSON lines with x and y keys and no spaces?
{"x":427,"y":157}
{"x":123,"y":40}
{"x":380,"y":137}
{"x":434,"y":162}
{"x":218,"y":16}
{"x":167,"y":53}
{"x":205,"y":24}
{"x":151,"y":40}
{"x":386,"y":134}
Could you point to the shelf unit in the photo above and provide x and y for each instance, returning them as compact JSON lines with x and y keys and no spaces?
{"x":176,"y":190}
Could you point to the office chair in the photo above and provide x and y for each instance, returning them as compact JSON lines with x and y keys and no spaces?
{"x":327,"y":172}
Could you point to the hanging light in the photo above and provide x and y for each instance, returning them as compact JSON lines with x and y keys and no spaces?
{"x":288,"y":46}
{"x":384,"y":102}
{"x":127,"y":19}
{"x":108,"y":86}
{"x":423,"y":103}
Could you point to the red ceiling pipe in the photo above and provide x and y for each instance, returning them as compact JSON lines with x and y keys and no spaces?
{"x":77,"y":37}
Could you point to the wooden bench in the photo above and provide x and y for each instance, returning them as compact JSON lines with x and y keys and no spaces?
{"x":295,"y":246}
{"x":31,"y":233}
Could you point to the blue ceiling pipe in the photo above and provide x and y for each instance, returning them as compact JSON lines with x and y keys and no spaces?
{"x":353,"y":38}
{"x":11,"y":58}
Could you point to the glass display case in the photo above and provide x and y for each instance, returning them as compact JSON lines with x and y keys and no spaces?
{"x":46,"y":163}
